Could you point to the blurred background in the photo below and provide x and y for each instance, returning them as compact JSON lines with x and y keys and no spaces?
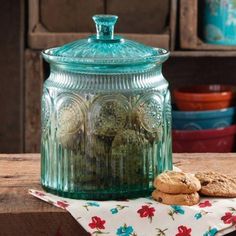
{"x":27,"y":27}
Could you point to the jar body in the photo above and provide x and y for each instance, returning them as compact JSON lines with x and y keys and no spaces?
{"x":104,"y":139}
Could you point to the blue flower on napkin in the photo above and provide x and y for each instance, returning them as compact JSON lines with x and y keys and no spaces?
{"x":124,"y":231}
{"x":93,"y":204}
{"x":211,"y":232}
{"x":198,"y":215}
{"x":117,"y":209}
{"x":178,"y":209}
{"x":114,"y":210}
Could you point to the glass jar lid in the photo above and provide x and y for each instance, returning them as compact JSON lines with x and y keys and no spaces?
{"x":105,"y":49}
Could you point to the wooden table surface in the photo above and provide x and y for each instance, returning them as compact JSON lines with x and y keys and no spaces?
{"x":22,"y":214}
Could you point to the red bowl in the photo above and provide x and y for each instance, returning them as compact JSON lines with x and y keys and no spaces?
{"x":208,"y":140}
{"x":204,"y":97}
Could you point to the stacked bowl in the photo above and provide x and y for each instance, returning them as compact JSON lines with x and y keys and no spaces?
{"x":204,"y":119}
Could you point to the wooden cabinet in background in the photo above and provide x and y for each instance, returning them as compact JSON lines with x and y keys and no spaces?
{"x":68,"y":15}
{"x":34,"y":78}
{"x":55,"y":22}
{"x":11,"y":76}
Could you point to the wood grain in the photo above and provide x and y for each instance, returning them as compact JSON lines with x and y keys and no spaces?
{"x":188,"y":23}
{"x":137,"y":17}
{"x":33,"y":90}
{"x":69,"y":15}
{"x":33,"y":6}
{"x":173,"y":23}
{"x":224,"y":163}
{"x":22,"y":214}
{"x":187,"y":54}
{"x":43,"y":40}
{"x":11,"y":78}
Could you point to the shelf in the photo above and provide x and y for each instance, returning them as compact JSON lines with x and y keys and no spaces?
{"x":203,"y":54}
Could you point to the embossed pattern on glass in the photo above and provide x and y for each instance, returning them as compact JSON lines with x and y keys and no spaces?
{"x":105,"y":135}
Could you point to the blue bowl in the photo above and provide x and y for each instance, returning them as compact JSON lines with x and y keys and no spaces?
{"x":197,"y":120}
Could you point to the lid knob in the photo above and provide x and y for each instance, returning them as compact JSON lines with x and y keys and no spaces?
{"x":105,"y":26}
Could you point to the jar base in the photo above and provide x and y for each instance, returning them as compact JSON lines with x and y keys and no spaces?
{"x":105,"y":195}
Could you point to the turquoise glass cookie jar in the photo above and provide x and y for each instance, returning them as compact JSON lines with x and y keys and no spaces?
{"x":106,"y":117}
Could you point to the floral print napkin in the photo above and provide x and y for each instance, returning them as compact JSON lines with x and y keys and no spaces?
{"x":146,"y":217}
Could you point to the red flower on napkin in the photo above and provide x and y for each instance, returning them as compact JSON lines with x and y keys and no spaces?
{"x":97,"y":223}
{"x":183,"y":231}
{"x":204,"y":204}
{"x":40,"y":194}
{"x":62,"y":204}
{"x":146,"y":211}
{"x":228,"y":218}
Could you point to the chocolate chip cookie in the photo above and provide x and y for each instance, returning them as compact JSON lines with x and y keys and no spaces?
{"x":216,"y":184}
{"x":174,"y":182}
{"x":176,"y":199}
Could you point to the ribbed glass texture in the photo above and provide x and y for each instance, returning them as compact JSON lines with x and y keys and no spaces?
{"x":106,"y":127}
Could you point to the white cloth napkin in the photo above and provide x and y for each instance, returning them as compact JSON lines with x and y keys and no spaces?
{"x":146,"y":217}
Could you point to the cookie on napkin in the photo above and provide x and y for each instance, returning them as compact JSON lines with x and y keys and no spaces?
{"x":176,"y":199}
{"x":177,"y":183}
{"x":216,"y":184}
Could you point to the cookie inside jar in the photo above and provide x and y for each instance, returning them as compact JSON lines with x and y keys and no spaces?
{"x":128,"y":147}
{"x":114,"y":144}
